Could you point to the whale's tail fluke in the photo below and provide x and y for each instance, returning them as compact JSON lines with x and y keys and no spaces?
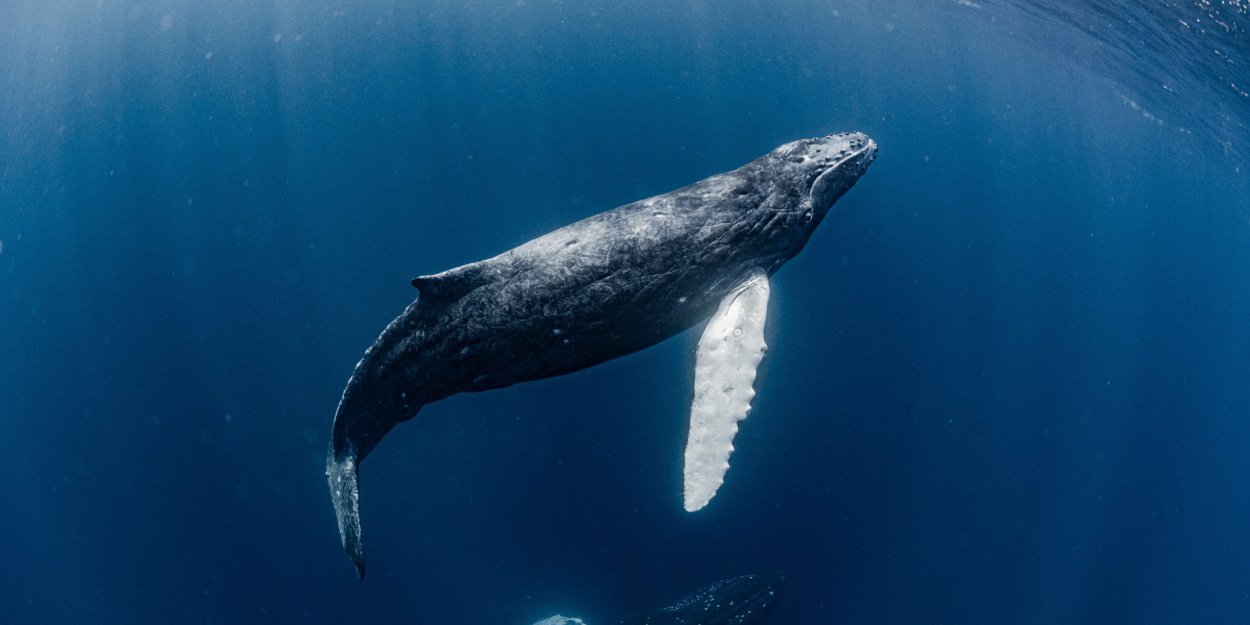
{"x":343,"y":473}
{"x":355,"y":435}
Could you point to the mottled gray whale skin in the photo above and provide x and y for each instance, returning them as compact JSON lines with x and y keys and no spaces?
{"x":603,"y":287}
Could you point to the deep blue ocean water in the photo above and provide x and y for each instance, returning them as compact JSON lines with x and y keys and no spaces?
{"x":1008,"y":379}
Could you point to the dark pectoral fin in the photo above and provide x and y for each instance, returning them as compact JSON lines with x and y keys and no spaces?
{"x":743,"y":600}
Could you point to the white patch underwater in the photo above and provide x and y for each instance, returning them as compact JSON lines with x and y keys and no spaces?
{"x":729,"y":353}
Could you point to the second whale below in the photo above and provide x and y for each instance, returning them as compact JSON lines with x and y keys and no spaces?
{"x":742,"y":600}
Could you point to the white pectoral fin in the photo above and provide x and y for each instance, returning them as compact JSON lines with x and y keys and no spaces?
{"x":730,"y":350}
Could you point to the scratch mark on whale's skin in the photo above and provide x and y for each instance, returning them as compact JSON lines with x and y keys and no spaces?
{"x":597,"y":289}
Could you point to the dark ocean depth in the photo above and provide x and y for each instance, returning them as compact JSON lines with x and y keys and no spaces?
{"x":1008,"y":379}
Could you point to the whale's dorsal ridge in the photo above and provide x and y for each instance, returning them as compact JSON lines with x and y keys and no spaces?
{"x":448,"y":285}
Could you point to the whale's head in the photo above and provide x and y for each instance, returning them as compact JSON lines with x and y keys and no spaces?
{"x":817,"y":172}
{"x":765,"y":211}
{"x":797,"y":183}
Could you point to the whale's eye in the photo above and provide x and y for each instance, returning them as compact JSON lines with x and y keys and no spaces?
{"x":806,"y":218}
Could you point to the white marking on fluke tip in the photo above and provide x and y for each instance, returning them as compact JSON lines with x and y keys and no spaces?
{"x":729,"y":352}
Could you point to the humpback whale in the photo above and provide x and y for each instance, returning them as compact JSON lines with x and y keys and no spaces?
{"x":603,"y":287}
{"x":742,"y":600}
